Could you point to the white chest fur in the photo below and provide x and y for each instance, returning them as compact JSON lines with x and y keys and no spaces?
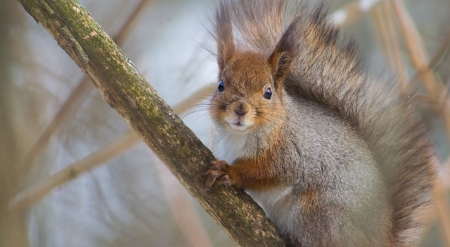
{"x":231,"y":146}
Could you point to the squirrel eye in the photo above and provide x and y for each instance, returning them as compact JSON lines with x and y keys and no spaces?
{"x":268,"y":93}
{"x":220,"y":87}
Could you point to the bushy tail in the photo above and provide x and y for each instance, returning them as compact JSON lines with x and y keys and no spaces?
{"x":379,"y":113}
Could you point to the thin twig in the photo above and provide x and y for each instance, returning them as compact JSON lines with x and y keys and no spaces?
{"x":415,"y":47}
{"x":34,"y":193}
{"x":194,"y":99}
{"x":389,"y":41}
{"x":69,"y":107}
{"x":130,"y":22}
{"x":443,"y":49}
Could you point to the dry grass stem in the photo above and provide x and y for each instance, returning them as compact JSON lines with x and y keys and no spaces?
{"x":34,"y":193}
{"x":389,"y":41}
{"x":130,"y":22}
{"x":68,"y":108}
{"x":194,"y":99}
{"x":443,"y":49}
{"x":415,"y":47}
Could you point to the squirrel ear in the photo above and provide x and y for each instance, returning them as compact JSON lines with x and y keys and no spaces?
{"x":280,"y":62}
{"x":224,"y":36}
{"x":281,"y":58}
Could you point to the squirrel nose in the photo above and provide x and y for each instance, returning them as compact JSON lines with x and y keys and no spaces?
{"x":241,"y":109}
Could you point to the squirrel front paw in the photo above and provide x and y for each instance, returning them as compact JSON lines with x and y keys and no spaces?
{"x":217,"y":173}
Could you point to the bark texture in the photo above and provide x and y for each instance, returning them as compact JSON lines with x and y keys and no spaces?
{"x":125,"y":89}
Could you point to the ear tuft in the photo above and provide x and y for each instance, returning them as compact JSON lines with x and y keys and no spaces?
{"x":224,"y":35}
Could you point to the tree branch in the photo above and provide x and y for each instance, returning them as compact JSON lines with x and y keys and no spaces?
{"x":124,"y":89}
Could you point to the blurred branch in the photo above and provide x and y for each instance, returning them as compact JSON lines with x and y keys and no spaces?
{"x":128,"y":25}
{"x":415,"y":47}
{"x":69,"y":107}
{"x":124,"y":89}
{"x":36,"y":192}
{"x":78,"y":95}
{"x":194,"y":99}
{"x":351,"y":12}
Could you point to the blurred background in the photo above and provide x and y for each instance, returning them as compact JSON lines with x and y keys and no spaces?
{"x":73,"y":174}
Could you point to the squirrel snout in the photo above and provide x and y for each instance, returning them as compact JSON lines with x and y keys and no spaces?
{"x":240,"y":109}
{"x":237,"y":116}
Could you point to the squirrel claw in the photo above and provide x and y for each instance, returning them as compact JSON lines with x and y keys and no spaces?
{"x":217,"y":173}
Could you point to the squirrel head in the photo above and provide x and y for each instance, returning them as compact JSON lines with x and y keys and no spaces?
{"x":249,"y":94}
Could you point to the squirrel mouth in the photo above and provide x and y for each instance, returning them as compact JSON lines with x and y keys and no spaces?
{"x":239,"y":124}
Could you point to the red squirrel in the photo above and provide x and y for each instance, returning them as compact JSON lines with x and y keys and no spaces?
{"x":332,"y":155}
